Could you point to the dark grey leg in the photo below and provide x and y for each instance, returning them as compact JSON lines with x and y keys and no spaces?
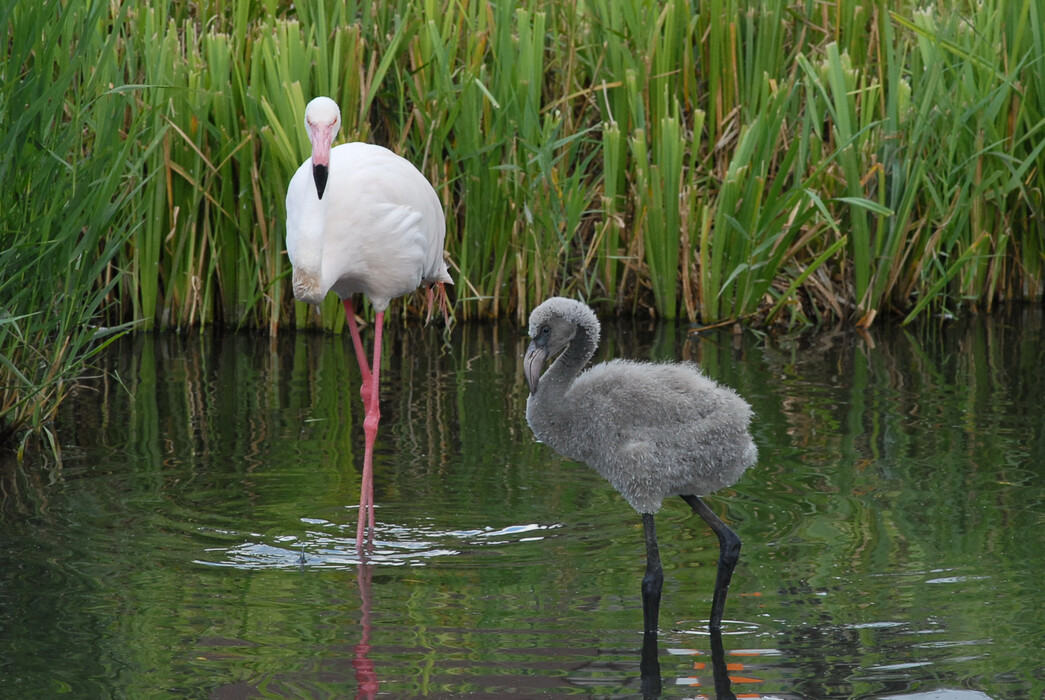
{"x":653,"y":581}
{"x":729,"y":553}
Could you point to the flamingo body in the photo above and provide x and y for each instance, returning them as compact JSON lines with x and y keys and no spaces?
{"x":653,"y":430}
{"x":377,"y":231}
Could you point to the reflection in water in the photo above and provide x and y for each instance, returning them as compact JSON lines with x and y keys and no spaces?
{"x":366,"y":677}
{"x":723,"y":686}
{"x":722,"y":680}
{"x":886,"y":546}
{"x":649,"y":666}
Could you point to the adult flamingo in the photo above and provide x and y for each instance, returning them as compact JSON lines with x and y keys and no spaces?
{"x":362,"y":220}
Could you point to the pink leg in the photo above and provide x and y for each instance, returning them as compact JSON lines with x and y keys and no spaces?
{"x":372,"y":409}
{"x":357,"y":343}
{"x":370,"y":423}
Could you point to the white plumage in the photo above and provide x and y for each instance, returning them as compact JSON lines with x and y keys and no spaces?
{"x":378,"y":230}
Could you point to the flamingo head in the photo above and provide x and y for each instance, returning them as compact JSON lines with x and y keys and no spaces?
{"x":322,"y":120}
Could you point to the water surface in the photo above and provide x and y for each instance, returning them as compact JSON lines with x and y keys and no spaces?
{"x":196,"y":538}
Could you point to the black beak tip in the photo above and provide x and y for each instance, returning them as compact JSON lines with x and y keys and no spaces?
{"x":319,"y":174}
{"x":533,"y":363}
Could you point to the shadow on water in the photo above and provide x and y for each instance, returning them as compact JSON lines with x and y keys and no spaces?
{"x":197,"y":537}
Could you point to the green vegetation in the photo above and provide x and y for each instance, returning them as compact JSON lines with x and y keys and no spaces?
{"x":777,"y":162}
{"x":71,"y":196}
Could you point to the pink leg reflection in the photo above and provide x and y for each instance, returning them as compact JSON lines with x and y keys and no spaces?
{"x":366,"y":677}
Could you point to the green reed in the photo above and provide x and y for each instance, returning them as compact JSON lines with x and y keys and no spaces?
{"x":663,"y":156}
{"x":766,"y":160}
{"x":71,"y":198}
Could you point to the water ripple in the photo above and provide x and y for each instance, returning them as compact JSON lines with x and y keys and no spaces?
{"x":394,"y":544}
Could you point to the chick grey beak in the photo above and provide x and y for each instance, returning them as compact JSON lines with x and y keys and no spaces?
{"x":533,"y":363}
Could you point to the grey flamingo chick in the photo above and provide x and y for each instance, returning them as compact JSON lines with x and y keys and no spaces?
{"x":652,"y":430}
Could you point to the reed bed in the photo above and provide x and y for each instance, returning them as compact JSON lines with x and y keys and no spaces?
{"x":782,"y":163}
{"x":71,"y":199}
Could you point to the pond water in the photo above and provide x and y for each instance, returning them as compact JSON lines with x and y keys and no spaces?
{"x":196,"y":538}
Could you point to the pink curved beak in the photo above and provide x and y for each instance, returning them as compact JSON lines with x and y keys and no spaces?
{"x":322,"y":137}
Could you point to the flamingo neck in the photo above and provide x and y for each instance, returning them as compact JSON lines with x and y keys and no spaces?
{"x":550,"y":413}
{"x":576,"y":355}
{"x":307,"y":281}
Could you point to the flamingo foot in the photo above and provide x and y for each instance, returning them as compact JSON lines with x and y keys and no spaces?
{"x":444,"y":302}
